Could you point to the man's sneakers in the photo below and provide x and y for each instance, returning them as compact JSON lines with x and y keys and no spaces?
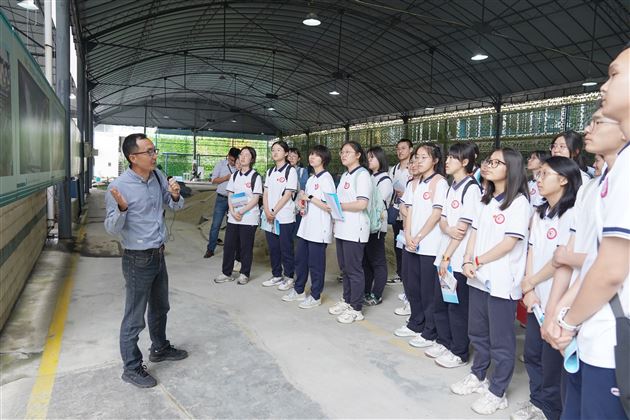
{"x":293,"y":296}
{"x":286,"y":284}
{"x":469,"y":384}
{"x":349,"y":316}
{"x":208,"y":254}
{"x":488,"y":403}
{"x":371,"y":300}
{"x":274,"y":281}
{"x":405,"y":310}
{"x":139,"y":377}
{"x":449,"y":360}
{"x":310,"y":302}
{"x":528,"y":411}
{"x":338,"y":308}
{"x":222,"y":278}
{"x":169,"y":353}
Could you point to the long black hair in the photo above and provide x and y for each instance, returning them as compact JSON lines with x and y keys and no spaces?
{"x":571,"y":172}
{"x":516,"y":181}
{"x":357,"y":149}
{"x":379,"y":155}
{"x":575,"y":145}
{"x":435,"y":152}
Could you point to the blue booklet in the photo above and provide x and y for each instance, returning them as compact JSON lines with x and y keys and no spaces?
{"x":269,"y":227}
{"x":333,"y":202}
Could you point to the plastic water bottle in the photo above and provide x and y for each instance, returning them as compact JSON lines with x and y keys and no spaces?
{"x":303,"y":207}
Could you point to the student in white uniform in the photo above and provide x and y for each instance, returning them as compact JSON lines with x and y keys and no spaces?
{"x":495,"y":264}
{"x":534,"y":162}
{"x":400,"y":176}
{"x":422,"y":210}
{"x":315,"y":231}
{"x":558,"y":182}
{"x":463,"y":201}
{"x":570,"y":144}
{"x":352,"y":233}
{"x":242,"y":218}
{"x":280,"y":185}
{"x":374,"y":261}
{"x":605,"y":289}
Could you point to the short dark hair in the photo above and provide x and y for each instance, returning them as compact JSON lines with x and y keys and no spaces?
{"x":130,"y":144}
{"x":461,"y":151}
{"x":323,"y":152}
{"x":252,"y":152}
{"x":379,"y":154}
{"x":409,"y":143}
{"x":296,"y":151}
{"x":234,"y":152}
{"x":542,"y":155}
{"x":516,"y":182}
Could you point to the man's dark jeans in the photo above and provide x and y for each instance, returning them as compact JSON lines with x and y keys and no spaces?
{"x":146,"y":283}
{"x":220,"y":210}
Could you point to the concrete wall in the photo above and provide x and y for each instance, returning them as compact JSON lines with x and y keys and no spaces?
{"x":22,"y":237}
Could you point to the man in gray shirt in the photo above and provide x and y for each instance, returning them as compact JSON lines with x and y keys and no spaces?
{"x":220,"y":177}
{"x":135,"y":213}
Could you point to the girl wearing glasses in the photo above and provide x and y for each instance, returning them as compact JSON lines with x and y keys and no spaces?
{"x":352,"y":233}
{"x":558,"y":182}
{"x":494,"y":263}
{"x":570,"y":144}
{"x":280,"y":185}
{"x":421,"y":209}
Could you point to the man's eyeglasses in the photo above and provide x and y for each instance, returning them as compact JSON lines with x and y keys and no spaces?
{"x":150,"y":152}
{"x":492,"y":163}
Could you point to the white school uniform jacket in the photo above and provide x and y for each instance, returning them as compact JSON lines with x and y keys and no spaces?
{"x":403,"y":177}
{"x":597,"y":337}
{"x":420,"y":204}
{"x":501,"y":278}
{"x":535,"y":198}
{"x":316,"y":224}
{"x":457,"y":208}
{"x":276,"y":184}
{"x":243,"y":183}
{"x":384,"y":184}
{"x":545,"y":236}
{"x":353,"y":186}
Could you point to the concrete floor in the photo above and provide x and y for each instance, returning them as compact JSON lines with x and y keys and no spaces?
{"x":251,"y":355}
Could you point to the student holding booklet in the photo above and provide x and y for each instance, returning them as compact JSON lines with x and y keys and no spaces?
{"x":244,"y":189}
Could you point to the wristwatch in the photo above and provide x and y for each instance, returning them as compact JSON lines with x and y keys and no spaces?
{"x":563,"y":324}
{"x":445,"y":258}
{"x":310,"y":197}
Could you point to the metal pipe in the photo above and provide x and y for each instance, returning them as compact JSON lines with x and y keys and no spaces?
{"x":48,"y":69}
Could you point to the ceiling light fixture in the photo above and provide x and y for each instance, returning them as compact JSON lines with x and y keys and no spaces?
{"x":589,"y":83}
{"x":333,"y":92}
{"x":28,"y":5}
{"x":73,"y":96}
{"x":233,"y":120}
{"x":312,"y":20}
{"x":271,"y":108}
{"x":429,"y":108}
{"x":480,"y":56}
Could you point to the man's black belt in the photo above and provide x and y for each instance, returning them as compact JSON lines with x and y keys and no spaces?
{"x":222,"y":195}
{"x":159,"y":250}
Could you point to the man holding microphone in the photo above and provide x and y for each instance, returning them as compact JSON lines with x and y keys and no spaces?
{"x":135,"y":213}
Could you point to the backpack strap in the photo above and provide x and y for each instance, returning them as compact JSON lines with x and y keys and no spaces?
{"x":468,"y":185}
{"x":234,"y":176}
{"x":432,"y":185}
{"x":254,"y":178}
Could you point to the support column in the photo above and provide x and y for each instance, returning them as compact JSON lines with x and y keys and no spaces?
{"x":498,"y":127}
{"x":405,"y":119}
{"x":81,"y":122}
{"x":347,"y":127}
{"x":62,"y":61}
{"x":48,"y":68}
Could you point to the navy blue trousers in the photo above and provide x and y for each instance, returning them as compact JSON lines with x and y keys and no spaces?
{"x":375,"y":265}
{"x":281,"y":251}
{"x":589,"y":395}
{"x":491,"y":332}
{"x":238,"y":246}
{"x":544,"y":368}
{"x":350,"y":259}
{"x":451,"y":319}
{"x":397,"y":227}
{"x":310,"y":258}
{"x":419,"y":281}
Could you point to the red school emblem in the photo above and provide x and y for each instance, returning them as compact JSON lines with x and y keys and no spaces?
{"x":604,"y":191}
{"x":426,"y":195}
{"x":248,"y":185}
{"x":316,"y":187}
{"x":533,"y":191}
{"x":281,"y":179}
{"x":455,"y":204}
{"x":552,"y":233}
{"x":346,"y":185}
{"x":499,"y":218}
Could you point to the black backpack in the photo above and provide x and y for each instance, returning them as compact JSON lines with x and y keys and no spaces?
{"x":470,"y":183}
{"x":255,"y":176}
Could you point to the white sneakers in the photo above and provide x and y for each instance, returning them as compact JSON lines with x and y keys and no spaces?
{"x":310,"y":302}
{"x":528,"y":411}
{"x":488,"y":403}
{"x":242,"y":279}
{"x":237,"y":266}
{"x":274,"y":281}
{"x":402,"y":296}
{"x":405,"y":310}
{"x":420,"y":342}
{"x":292,"y":296}
{"x":350,"y":315}
{"x":435,"y":351}
{"x":222,"y":278}
{"x":449,"y":360}
{"x":468,"y":385}
{"x":286,"y":284}
{"x":405,"y":332}
{"x":338,"y":308}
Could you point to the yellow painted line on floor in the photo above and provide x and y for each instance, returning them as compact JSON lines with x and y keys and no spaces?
{"x":37,"y":407}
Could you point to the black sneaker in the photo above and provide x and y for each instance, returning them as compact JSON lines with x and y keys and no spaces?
{"x":372,"y":300}
{"x":219,"y":242}
{"x":208,"y":254}
{"x":169,"y":353}
{"x":139,"y":377}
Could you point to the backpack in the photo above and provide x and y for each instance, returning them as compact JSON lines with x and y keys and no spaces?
{"x":376,"y":206}
{"x":286,"y":176}
{"x":254,"y":178}
{"x":468,"y":185}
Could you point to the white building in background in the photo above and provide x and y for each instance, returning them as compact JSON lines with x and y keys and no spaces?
{"x":107,"y":140}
